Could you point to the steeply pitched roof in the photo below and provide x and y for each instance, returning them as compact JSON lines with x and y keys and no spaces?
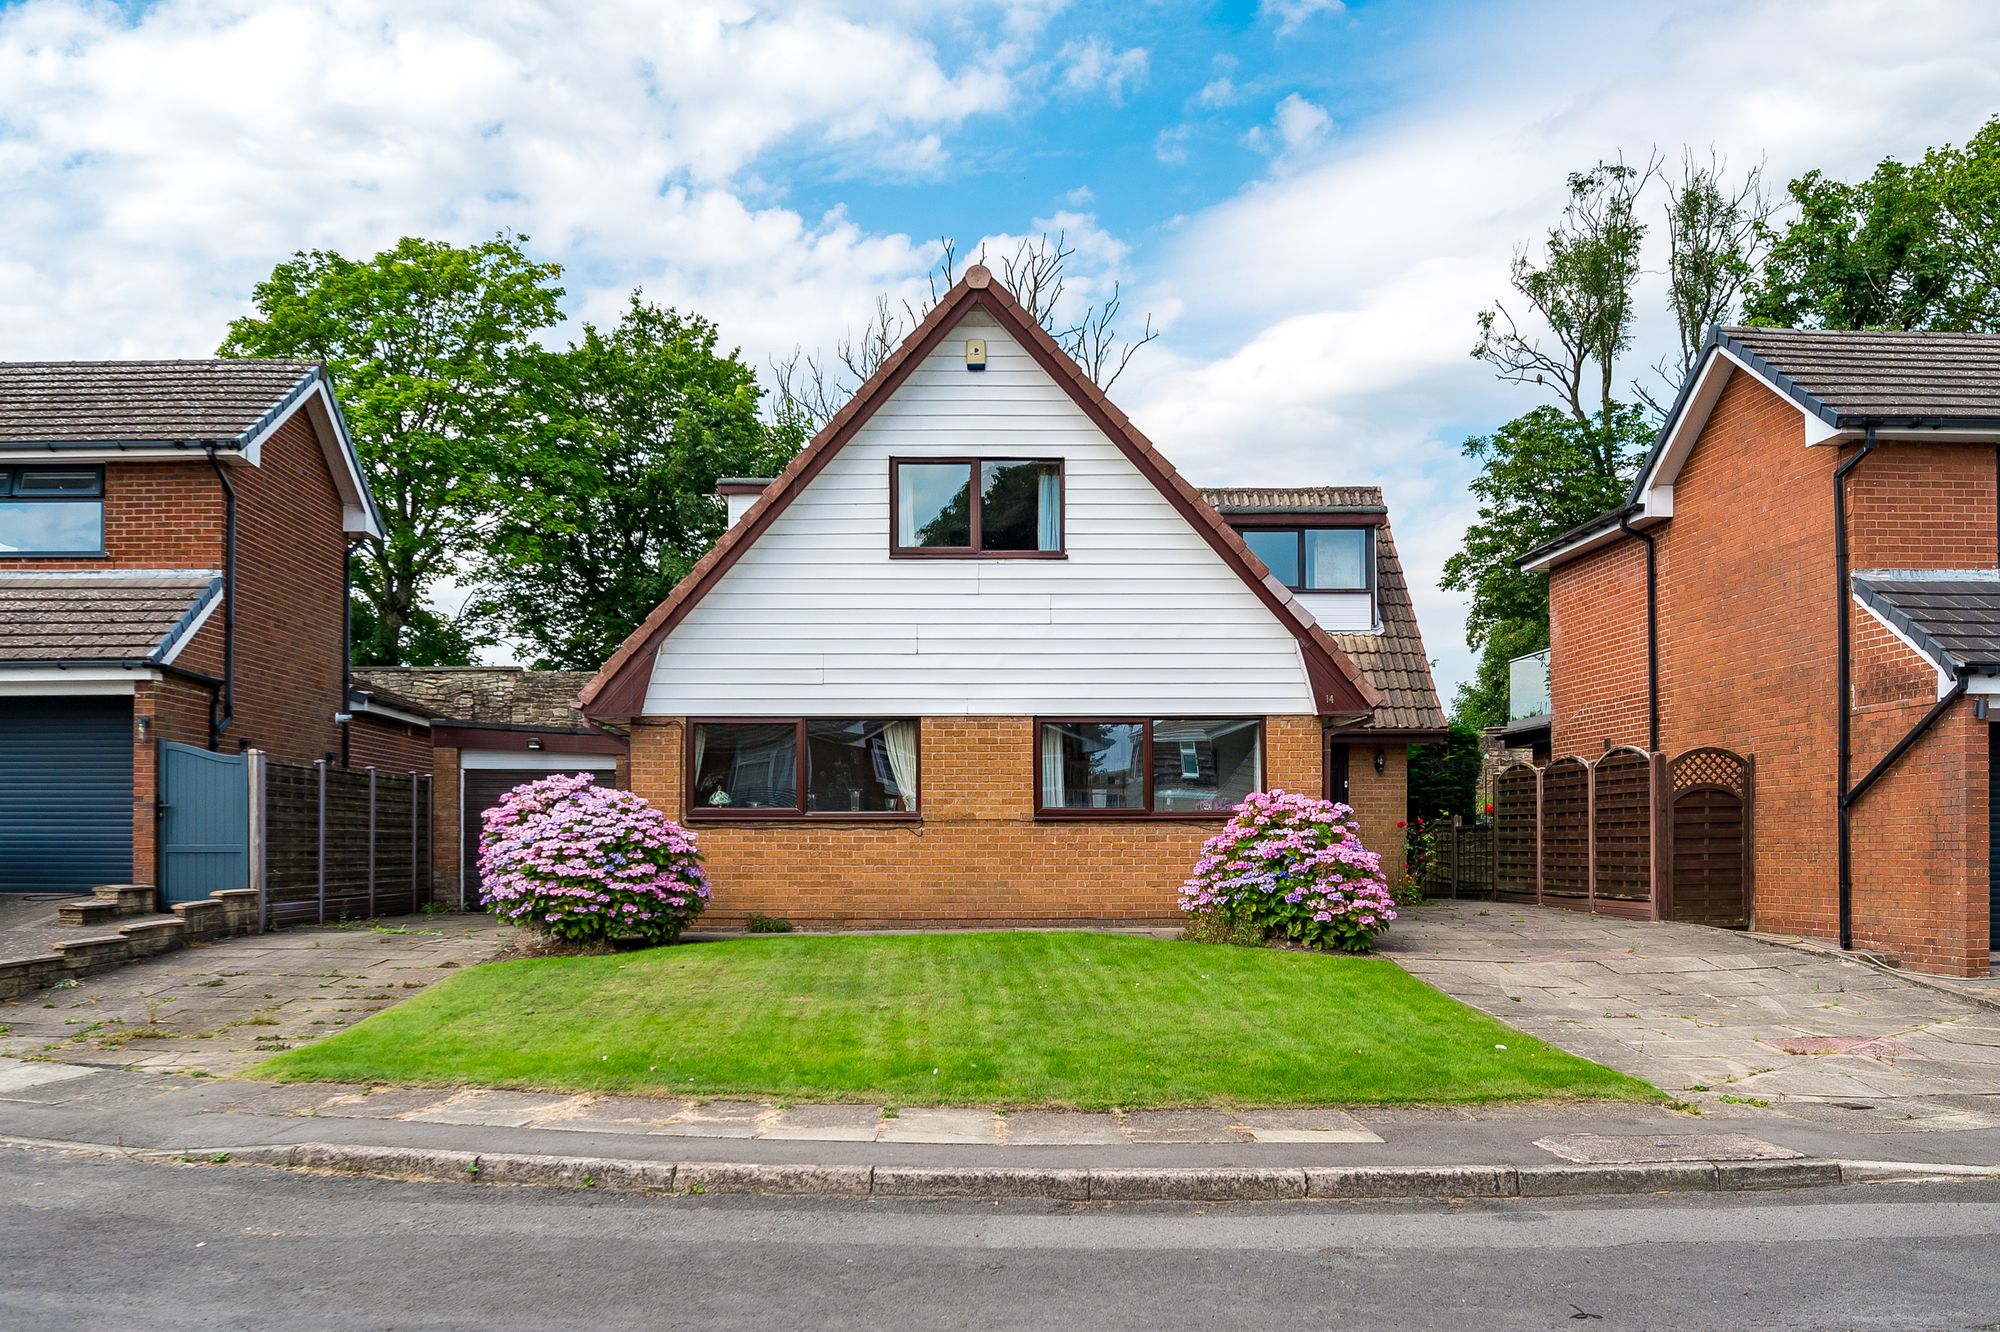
{"x":1848,"y":376}
{"x":481,"y":695}
{"x":221,"y":402}
{"x":619,"y":689}
{"x":125,"y":617}
{"x":1393,"y":659}
{"x":1952,"y":615}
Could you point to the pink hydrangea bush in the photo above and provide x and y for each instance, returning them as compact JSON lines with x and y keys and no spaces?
{"x":585,"y":863}
{"x":1289,"y":867}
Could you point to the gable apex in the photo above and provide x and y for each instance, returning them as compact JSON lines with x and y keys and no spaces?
{"x":619,"y":689}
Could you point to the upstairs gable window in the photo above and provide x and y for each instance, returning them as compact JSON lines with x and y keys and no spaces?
{"x":51,"y":510}
{"x":1315,"y":559}
{"x":976,"y":508}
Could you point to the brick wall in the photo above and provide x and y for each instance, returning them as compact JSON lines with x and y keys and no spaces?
{"x":175,"y":710}
{"x":1748,"y":661}
{"x":390,"y":745}
{"x":979,"y":856}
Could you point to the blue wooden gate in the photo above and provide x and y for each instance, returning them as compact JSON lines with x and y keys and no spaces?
{"x":204,"y":822}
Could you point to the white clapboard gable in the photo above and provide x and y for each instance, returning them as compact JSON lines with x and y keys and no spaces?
{"x":1142,"y":618}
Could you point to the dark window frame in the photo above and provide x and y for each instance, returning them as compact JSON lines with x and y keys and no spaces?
{"x":10,"y":493}
{"x":975,"y":503}
{"x":801,"y":777}
{"x":1289,"y":523}
{"x":1066,"y":814}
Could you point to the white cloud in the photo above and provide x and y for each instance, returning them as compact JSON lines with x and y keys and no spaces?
{"x":1093,"y":65}
{"x":1327,"y":310}
{"x":1293,"y":14}
{"x":1297,"y":127}
{"x":1170,"y":145}
{"x":1218,"y":91}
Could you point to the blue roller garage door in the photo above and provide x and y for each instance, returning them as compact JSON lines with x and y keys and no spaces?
{"x":65,"y":793}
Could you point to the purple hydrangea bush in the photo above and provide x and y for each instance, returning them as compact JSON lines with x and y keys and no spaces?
{"x":585,"y":863}
{"x":1289,"y":867}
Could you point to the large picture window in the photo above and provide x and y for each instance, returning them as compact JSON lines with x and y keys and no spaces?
{"x":837,"y":767}
{"x":1315,"y":559}
{"x":978,"y":508}
{"x":51,"y":510}
{"x":1135,"y":768}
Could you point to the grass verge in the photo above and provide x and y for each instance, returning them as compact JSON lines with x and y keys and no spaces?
{"x":1004,"y":1019}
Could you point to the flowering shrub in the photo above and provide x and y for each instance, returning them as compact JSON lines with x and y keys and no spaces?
{"x":1289,"y":867}
{"x":585,"y":863}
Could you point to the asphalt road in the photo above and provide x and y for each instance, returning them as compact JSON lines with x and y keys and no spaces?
{"x":103,"y":1245}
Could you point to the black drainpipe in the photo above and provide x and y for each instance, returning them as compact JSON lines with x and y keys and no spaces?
{"x":347,"y":657}
{"x":227,"y":694}
{"x":1652,"y":632}
{"x":1843,"y":798}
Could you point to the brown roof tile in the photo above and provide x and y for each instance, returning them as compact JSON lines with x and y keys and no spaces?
{"x":481,"y":695}
{"x":80,"y":618}
{"x":217,"y":401}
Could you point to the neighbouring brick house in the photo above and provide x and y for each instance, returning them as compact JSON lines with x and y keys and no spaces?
{"x":173,"y":553}
{"x":480,"y":731}
{"x":1792,"y":612}
{"x":980,"y":655}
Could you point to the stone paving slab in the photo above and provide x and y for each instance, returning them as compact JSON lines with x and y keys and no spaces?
{"x":941,"y":1126}
{"x":1605,"y":1149}
{"x":1707,"y":1013}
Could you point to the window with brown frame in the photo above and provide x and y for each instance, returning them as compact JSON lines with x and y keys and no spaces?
{"x":831,"y":767}
{"x":976,"y":508}
{"x":1144,"y":767}
{"x":1316,"y":559}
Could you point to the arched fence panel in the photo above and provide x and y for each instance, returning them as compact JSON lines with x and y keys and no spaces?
{"x":1566,"y":829}
{"x":1709,"y":800}
{"x":1516,"y":831}
{"x":1622,"y":821}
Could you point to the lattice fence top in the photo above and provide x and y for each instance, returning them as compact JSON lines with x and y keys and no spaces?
{"x":1709,"y":767}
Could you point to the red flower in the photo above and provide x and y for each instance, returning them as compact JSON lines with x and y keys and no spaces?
{"x":1400,"y":823}
{"x":1489,"y":809}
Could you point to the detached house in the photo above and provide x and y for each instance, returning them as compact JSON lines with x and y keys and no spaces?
{"x":979,"y":654}
{"x":1808,"y":571}
{"x":173,"y":555}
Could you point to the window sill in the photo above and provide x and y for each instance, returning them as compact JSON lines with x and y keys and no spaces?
{"x":1129,"y":816}
{"x":978,"y":554}
{"x":778,"y":818}
{"x":54,"y":555}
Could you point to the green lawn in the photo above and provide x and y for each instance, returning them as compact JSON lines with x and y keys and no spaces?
{"x":1005,"y":1019}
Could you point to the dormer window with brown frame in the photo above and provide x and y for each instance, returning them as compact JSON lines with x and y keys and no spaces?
{"x":976,"y":508}
{"x":1316,"y":559}
{"x":51,"y":511}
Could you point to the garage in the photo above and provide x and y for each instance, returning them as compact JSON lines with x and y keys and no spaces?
{"x":484,"y":778}
{"x":65,"y":793}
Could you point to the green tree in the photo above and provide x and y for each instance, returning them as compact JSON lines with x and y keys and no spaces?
{"x":1444,"y":777}
{"x":608,"y":497}
{"x":424,"y":341}
{"x":1540,"y":475}
{"x":1868,"y":255}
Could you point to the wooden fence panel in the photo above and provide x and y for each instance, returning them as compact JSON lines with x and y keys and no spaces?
{"x":1622,"y":826}
{"x":373,"y":856}
{"x":1516,"y":822}
{"x":1566,"y":829}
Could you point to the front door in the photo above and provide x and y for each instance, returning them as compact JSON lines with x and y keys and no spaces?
{"x":1336,"y":772}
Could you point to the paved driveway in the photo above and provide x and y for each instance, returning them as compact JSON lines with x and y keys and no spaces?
{"x":222,"y":1007}
{"x":1709,"y":1014}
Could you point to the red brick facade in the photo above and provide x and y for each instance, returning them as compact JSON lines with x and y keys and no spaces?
{"x":1748,"y":661}
{"x":979,"y":856}
{"x":290,"y":609}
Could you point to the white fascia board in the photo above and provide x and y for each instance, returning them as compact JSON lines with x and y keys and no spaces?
{"x":536,"y":760}
{"x":74,"y":680}
{"x":1583,"y":545}
{"x":1984,"y":684}
{"x":1945,"y":676}
{"x":357,"y":515}
{"x":374,"y":709}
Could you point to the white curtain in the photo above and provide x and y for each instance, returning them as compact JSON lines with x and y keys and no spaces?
{"x":1048,"y":531}
{"x":700,"y":748}
{"x":1053,"y":795}
{"x":899,"y":740}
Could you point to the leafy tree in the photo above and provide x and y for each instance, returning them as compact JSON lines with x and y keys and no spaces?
{"x":1716,"y":228}
{"x":423,"y":341}
{"x":608,"y":497}
{"x":1966,"y":183}
{"x":1540,"y":475}
{"x":1868,"y":255}
{"x":1444,"y":777}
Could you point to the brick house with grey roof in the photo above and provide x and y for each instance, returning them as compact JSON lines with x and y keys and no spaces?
{"x":173,"y":554}
{"x":1808,"y":569}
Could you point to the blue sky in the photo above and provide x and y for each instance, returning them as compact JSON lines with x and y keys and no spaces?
{"x":1313,"y":199}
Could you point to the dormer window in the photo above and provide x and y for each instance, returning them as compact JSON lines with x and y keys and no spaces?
{"x":1316,"y":559}
{"x":976,"y":508}
{"x":51,"y":511}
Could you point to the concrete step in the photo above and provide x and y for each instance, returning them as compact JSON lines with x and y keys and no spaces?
{"x":129,"y":899}
{"x":86,"y":911}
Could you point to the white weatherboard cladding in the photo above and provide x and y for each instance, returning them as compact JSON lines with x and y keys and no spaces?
{"x":1142,"y":618}
{"x":1341,"y":612}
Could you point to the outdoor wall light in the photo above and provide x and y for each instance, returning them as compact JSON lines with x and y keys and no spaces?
{"x":534,"y":742}
{"x":145,"y":724}
{"x":1381,"y":760}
